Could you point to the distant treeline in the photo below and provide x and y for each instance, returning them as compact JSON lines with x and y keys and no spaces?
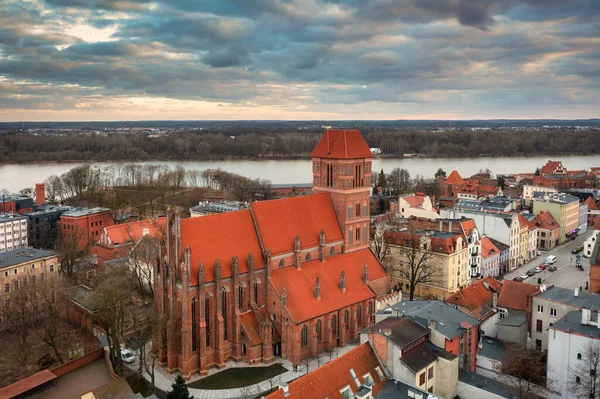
{"x":26,"y":148}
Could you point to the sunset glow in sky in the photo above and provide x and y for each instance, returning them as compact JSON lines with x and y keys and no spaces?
{"x":298,"y":59}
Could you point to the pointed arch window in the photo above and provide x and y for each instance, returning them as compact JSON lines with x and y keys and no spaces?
{"x":256,"y":287}
{"x":359,"y":314}
{"x":224,"y":312}
{"x":319,"y":329}
{"x":281,"y":263}
{"x":347,"y":319}
{"x":207,"y":318}
{"x":332,"y":251}
{"x":241,"y":297}
{"x":334,"y":324}
{"x":304,"y":337}
{"x":194,"y":326}
{"x":307,"y":257}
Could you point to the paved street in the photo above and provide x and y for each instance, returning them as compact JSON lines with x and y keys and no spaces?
{"x":567,"y":275}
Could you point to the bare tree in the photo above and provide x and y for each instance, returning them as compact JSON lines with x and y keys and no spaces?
{"x":141,"y":259}
{"x":523,"y":369}
{"x":18,"y":317}
{"x":72,"y":248}
{"x":584,"y":382}
{"x":379,"y":244}
{"x":413,"y":259}
{"x":48,"y":306}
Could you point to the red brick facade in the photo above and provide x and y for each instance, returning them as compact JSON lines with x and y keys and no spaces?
{"x":85,"y":225}
{"x":279,"y":279}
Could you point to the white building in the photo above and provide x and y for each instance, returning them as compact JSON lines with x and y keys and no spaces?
{"x":420,"y":206}
{"x":571,"y":340}
{"x":588,"y":245}
{"x":13,"y":232}
{"x":499,"y":226}
{"x":528,"y":191}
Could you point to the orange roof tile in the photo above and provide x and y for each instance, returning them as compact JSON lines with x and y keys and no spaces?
{"x":27,"y":384}
{"x":545,"y":221}
{"x":514,"y":295}
{"x":251,"y":324}
{"x":445,"y":244}
{"x":221,"y":236}
{"x":468,"y":226}
{"x":477,"y":298}
{"x":414,"y":201}
{"x":327,"y":380}
{"x":342,"y":144}
{"x":119,"y":234}
{"x":279,"y":221}
{"x":592,"y":206}
{"x":524,"y":221}
{"x":300,"y":284}
{"x":550,"y":167}
{"x":454,"y":178}
{"x":488,"y":248}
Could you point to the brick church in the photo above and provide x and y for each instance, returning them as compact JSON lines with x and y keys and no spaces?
{"x":289,"y":277}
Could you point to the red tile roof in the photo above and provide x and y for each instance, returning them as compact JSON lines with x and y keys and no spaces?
{"x":514,"y":295}
{"x":445,"y":244}
{"x":280,"y":221}
{"x":524,"y":222}
{"x":454,"y":178}
{"x":592,"y":206}
{"x":477,"y":298}
{"x":329,"y":379}
{"x":27,"y":384}
{"x":550,"y":167}
{"x":119,"y":234}
{"x":545,"y":221}
{"x":251,"y":324}
{"x":488,"y":248}
{"x":300,"y":284}
{"x":414,"y":201}
{"x":468,"y":226}
{"x":221,"y":236}
{"x":342,"y":144}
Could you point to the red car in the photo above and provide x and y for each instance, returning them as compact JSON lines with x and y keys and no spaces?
{"x":543,"y":266}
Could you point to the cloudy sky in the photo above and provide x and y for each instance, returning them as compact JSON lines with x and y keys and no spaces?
{"x":298,"y":59}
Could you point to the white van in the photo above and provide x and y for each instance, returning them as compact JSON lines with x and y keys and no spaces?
{"x":551,"y":259}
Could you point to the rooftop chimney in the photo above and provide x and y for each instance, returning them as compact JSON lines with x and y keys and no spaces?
{"x":145,"y":232}
{"x":495,"y":300}
{"x":576,"y":292}
{"x":432,"y":324}
{"x":585,"y":316}
{"x":40,"y":194}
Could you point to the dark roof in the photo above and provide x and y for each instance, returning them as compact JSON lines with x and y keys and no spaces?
{"x":398,"y":390}
{"x":418,"y":358}
{"x":485,"y":383}
{"x":564,"y":295}
{"x":118,"y":389}
{"x":595,"y":259}
{"x":26,"y":384}
{"x":449,"y":320}
{"x":7,"y":217}
{"x":291,"y":185}
{"x":23,"y":255}
{"x":80,"y":294}
{"x":492,"y":348}
{"x":441,"y":352}
{"x":501,"y":246}
{"x":571,"y":323}
{"x":403,"y":330}
{"x":514,"y":318}
{"x":79,"y":212}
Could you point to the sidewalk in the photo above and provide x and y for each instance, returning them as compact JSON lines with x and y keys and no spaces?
{"x":163,"y":380}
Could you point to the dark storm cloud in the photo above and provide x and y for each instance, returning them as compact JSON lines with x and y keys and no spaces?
{"x":488,"y":53}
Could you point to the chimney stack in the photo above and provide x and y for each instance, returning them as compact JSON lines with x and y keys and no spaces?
{"x":495,"y":300}
{"x":40,"y":194}
{"x":576,"y":292}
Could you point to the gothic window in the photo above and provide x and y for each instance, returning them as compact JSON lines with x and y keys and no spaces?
{"x":358,"y":314}
{"x":357,"y":209}
{"x":307,"y":258}
{"x":194,"y":326}
{"x":350,"y":212}
{"x":319,"y":336}
{"x":350,"y":238}
{"x":241,"y":297}
{"x":364,"y":234}
{"x":347,"y":319}
{"x":224,"y":312}
{"x":370,"y":309}
{"x":281,"y":263}
{"x":207,"y":318}
{"x":332,"y":251}
{"x":256,"y":286}
{"x":357,"y":231}
{"x":304,"y":337}
{"x":334,"y":324}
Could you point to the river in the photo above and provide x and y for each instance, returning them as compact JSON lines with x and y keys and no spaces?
{"x":14,"y":177}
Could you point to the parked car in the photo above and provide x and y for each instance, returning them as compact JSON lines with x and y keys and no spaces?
{"x":551,"y":259}
{"x":538,"y":253}
{"x":580,"y":248}
{"x":127,"y":356}
{"x":552,"y":268}
{"x":518,"y":279}
{"x":531,"y":272}
{"x":543,"y":266}
{"x":575,"y":251}
{"x":538,"y":269}
{"x":523,"y":276}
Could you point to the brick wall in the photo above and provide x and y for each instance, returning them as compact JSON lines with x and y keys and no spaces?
{"x":77,"y":363}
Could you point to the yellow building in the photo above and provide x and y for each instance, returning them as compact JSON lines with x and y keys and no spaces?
{"x":438,"y":260}
{"x":22,"y":266}
{"x":564,"y":208}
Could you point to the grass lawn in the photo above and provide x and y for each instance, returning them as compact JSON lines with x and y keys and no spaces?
{"x":238,"y":377}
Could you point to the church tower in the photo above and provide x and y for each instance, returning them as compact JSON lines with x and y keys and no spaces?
{"x":342,"y":167}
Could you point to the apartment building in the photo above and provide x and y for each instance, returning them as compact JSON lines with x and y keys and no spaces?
{"x":13,"y":232}
{"x":84,"y":224}
{"x":564,"y":208}
{"x":20,"y":266}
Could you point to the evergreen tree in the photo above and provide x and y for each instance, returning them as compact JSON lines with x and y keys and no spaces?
{"x":179,"y":390}
{"x":440,"y":173}
{"x":501,"y":182}
{"x":381,"y":182}
{"x":537,"y":172}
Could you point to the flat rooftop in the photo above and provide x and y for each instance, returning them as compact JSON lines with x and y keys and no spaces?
{"x":564,"y":295}
{"x":23,"y":255}
{"x":80,"y":212}
{"x":7,"y":217}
